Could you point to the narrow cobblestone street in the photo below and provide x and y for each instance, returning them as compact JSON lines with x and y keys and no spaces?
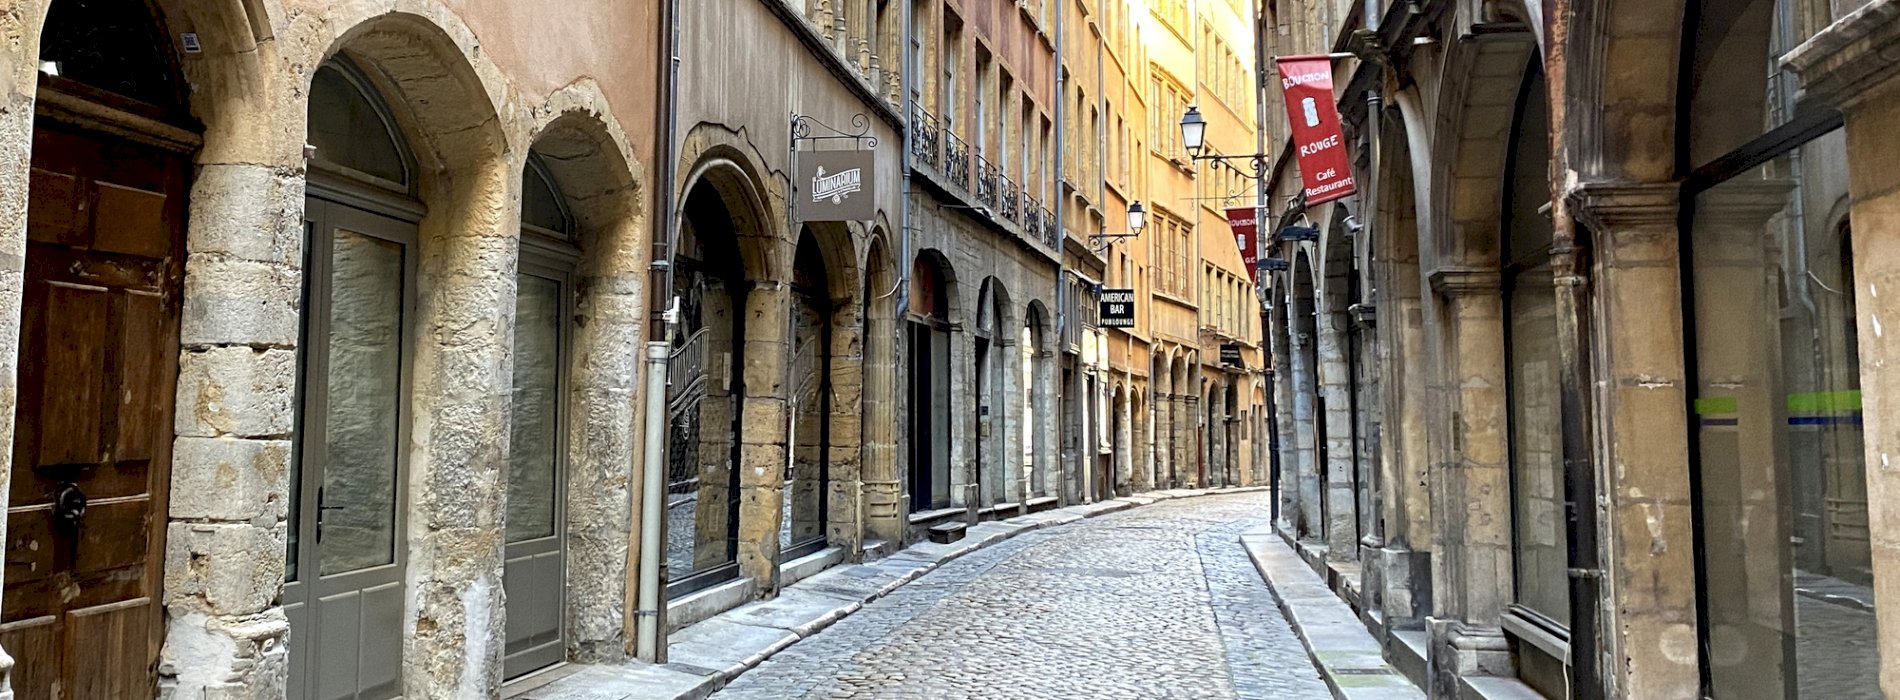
{"x":1155,"y":602}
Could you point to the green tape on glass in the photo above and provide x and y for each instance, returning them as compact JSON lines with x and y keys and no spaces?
{"x":1716,"y":406}
{"x":1824,"y":403}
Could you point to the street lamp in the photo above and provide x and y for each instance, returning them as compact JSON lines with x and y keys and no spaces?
{"x":1194,"y":138}
{"x":1193,"y":131}
{"x":1137,"y":220}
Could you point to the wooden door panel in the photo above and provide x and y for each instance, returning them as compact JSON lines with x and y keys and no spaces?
{"x":142,"y":358}
{"x":34,"y":644}
{"x":113,"y":641}
{"x":55,"y":209}
{"x":132,"y":221}
{"x":113,"y":536}
{"x":33,"y":554}
{"x":73,"y":347}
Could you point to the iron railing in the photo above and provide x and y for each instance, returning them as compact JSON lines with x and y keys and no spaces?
{"x":1049,"y":233}
{"x":923,"y":140}
{"x":985,"y":182}
{"x":1032,"y":217}
{"x":956,"y":159}
{"x":1012,"y":198}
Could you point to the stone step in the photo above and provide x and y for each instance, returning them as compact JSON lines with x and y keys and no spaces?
{"x":945,"y":533}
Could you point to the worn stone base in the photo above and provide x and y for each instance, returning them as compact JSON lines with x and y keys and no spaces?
{"x":1459,"y":649}
{"x":1407,"y":593}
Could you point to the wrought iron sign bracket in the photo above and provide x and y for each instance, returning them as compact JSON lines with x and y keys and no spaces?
{"x":807,"y":128}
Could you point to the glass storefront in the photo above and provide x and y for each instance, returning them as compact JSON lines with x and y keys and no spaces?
{"x":1779,"y":473}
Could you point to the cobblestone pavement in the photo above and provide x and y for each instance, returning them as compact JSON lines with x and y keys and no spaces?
{"x":1155,"y":602}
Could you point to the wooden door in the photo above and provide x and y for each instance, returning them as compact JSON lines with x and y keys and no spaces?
{"x":97,"y":367}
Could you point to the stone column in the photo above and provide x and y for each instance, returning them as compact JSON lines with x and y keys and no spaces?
{"x":845,"y":448}
{"x":236,"y":409}
{"x":1188,"y":445}
{"x":458,"y":437}
{"x":1042,"y":399}
{"x":1335,"y":389}
{"x":1007,"y":416}
{"x":763,"y":431}
{"x":1851,"y":66}
{"x":1646,"y":511}
{"x":1305,"y":461}
{"x":1125,"y":439}
{"x":1163,"y":439}
{"x":1406,"y":503}
{"x":1216,"y":442}
{"x":964,"y":460}
{"x":1141,"y":443}
{"x":1474,"y":533}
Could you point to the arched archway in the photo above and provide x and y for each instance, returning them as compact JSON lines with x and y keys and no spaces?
{"x":997,"y":373}
{"x":583,"y":158}
{"x":100,"y":284}
{"x":824,"y":334}
{"x":931,"y":401}
{"x":719,"y":264}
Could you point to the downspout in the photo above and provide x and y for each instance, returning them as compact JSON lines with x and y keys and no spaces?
{"x":1062,"y":241}
{"x":649,"y":645}
{"x":1369,"y":281}
{"x":1570,"y":265}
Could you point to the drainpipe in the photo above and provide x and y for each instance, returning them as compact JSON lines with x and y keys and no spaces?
{"x":649,"y":644}
{"x":1261,"y":231}
{"x":1570,"y":264}
{"x":1062,"y":238}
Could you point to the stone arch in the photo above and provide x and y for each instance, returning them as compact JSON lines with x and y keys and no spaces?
{"x":997,"y":370}
{"x":1478,"y":98}
{"x":727,"y":161}
{"x":447,"y":99}
{"x":586,"y":154}
{"x":1309,"y":416}
{"x":936,"y":421}
{"x":1404,"y":368}
{"x":1623,"y":71}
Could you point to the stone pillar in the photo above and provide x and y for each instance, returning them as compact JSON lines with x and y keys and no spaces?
{"x":1188,"y":447}
{"x":1851,"y":66}
{"x":1335,"y":389}
{"x":458,"y":445}
{"x":1141,"y":444}
{"x":763,"y":432}
{"x":1125,"y":471}
{"x":1406,"y":502}
{"x":884,"y":498}
{"x":1006,"y":415}
{"x":1163,"y":439}
{"x":1474,"y":532}
{"x":1309,"y":524}
{"x":1216,"y":442}
{"x":1042,"y":399}
{"x":964,"y":460}
{"x":236,"y":409}
{"x":1647,"y":513}
{"x":845,"y":428}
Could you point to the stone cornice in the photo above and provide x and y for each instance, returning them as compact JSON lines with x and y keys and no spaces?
{"x":1610,"y":206}
{"x":1853,"y":55}
{"x":1466,"y":281}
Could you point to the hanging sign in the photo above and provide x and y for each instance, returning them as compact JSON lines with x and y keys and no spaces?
{"x":1325,"y":167}
{"x":836,"y":186}
{"x":1246,"y":228}
{"x":1118,"y":308}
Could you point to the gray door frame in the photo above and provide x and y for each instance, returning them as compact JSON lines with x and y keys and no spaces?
{"x":325,"y":211}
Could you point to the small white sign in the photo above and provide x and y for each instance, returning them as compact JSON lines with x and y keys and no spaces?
{"x":190,"y":41}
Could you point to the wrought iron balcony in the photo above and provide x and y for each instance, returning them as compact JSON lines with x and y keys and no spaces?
{"x":956,"y":159}
{"x":924,"y":135}
{"x":1011,"y":195}
{"x":1032,"y":217}
{"x":1049,"y":233}
{"x":986,"y":175}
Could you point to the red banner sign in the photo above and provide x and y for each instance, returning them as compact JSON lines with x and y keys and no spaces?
{"x":1246,"y":235}
{"x":1325,"y":167}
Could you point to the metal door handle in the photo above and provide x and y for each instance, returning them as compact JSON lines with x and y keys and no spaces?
{"x":69,"y":505}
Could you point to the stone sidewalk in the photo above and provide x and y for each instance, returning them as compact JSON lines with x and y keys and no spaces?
{"x":1349,"y":659}
{"x":705,"y":656}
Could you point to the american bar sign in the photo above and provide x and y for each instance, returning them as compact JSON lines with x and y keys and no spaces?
{"x":1118,"y":308}
{"x":1325,"y":167}
{"x":837,"y":186}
